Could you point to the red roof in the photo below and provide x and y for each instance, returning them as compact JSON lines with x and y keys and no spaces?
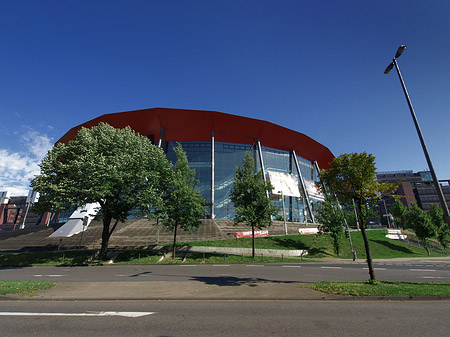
{"x":196,"y":125}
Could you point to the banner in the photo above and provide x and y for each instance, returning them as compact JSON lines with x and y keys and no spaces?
{"x":313,"y":191}
{"x":284,"y":183}
{"x":32,"y":197}
{"x":4,"y":197}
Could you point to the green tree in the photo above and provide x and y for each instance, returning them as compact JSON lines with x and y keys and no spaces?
{"x":184,"y":204}
{"x":442,"y":232}
{"x":116,"y":168}
{"x":421,"y":223}
{"x":331,"y":221}
{"x":399,"y":210}
{"x":353,"y":176}
{"x":249,"y":196}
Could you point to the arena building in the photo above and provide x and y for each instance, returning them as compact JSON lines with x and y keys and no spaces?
{"x":215,"y":144}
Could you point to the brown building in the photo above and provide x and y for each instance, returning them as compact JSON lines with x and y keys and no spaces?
{"x":415,"y":187}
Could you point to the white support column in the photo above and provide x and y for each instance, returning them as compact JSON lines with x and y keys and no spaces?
{"x":212,"y":175}
{"x":160,"y":137}
{"x":302,"y":183}
{"x":261,"y":161}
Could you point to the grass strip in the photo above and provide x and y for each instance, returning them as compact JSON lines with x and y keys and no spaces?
{"x":383,"y":288}
{"x":321,"y":245}
{"x":148,"y":257}
{"x":24,"y":287}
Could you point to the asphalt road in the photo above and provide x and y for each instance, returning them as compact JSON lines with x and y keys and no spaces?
{"x":225,"y":318}
{"x":299,"y":272}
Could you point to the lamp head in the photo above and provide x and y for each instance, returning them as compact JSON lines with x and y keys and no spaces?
{"x":400,"y":51}
{"x":389,"y":68}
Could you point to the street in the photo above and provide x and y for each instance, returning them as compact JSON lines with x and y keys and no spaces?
{"x":221,"y":300}
{"x":426,"y":270}
{"x":229,"y":318}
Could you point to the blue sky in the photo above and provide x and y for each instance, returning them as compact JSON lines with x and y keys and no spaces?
{"x":313,"y":66}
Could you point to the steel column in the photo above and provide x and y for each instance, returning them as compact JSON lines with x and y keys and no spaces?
{"x":305,"y":192}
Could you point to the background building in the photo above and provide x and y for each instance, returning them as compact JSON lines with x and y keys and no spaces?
{"x":415,"y":187}
{"x":215,"y":144}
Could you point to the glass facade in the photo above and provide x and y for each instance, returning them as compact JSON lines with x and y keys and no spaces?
{"x":227,"y":156}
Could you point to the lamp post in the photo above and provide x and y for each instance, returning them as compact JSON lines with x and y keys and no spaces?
{"x":387,"y":214}
{"x":284,"y":213}
{"x":444,"y":207}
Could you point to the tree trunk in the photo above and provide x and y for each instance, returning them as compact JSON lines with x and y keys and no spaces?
{"x":105,"y":237}
{"x":174,"y":248}
{"x":253,"y":241}
{"x":366,"y":243}
{"x":425,"y":244}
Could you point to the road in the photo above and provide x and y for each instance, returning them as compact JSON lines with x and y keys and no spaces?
{"x":223,"y":273}
{"x":220,"y":300}
{"x":226,"y":318}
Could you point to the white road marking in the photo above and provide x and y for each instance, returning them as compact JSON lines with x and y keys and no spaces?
{"x":221,"y":265}
{"x":422,"y":269}
{"x":89,"y":313}
{"x":291,"y":266}
{"x":325,"y":267}
{"x":432,"y":277}
{"x":38,"y":275}
{"x":375,"y":268}
{"x":254,"y":265}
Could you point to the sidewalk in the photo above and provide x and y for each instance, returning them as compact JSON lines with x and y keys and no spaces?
{"x":163,"y":290}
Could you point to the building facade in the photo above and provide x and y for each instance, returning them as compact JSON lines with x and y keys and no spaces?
{"x":416,"y":187}
{"x":216,"y":143}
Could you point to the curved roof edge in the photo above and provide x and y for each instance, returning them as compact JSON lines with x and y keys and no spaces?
{"x":197,"y":125}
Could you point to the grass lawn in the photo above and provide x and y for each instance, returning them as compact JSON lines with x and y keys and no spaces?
{"x":320,"y":246}
{"x":70,"y":258}
{"x":24,"y":287}
{"x":148,"y":257}
{"x":383,"y":288}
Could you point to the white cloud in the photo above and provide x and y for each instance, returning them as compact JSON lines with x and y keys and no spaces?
{"x":17,"y":168}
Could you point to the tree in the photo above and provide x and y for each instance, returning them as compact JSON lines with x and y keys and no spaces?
{"x":353,"y":176}
{"x":442,"y":232}
{"x":420,"y":222}
{"x":399,"y":210}
{"x":184,"y":204}
{"x":331,"y":220}
{"x":116,"y":168}
{"x":249,"y":196}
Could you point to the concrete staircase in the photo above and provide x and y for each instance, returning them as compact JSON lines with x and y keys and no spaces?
{"x":132,"y":233}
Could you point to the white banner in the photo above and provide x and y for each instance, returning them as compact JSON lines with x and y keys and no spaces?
{"x":284,"y":183}
{"x":32,"y":197}
{"x":4,"y":197}
{"x":313,"y":191}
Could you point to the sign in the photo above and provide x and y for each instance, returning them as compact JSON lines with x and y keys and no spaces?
{"x":395,"y":234}
{"x":284,"y":184}
{"x":248,"y":234}
{"x":306,"y":231}
{"x":32,"y":197}
{"x":4,"y":197}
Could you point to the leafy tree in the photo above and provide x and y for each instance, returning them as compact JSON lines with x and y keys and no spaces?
{"x":116,"y":168}
{"x":442,"y":232}
{"x":353,"y":176}
{"x":184,"y":204}
{"x":421,"y":223}
{"x":249,"y":195}
{"x":331,"y":220}
{"x":399,"y":210}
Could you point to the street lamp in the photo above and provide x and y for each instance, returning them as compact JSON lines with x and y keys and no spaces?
{"x":444,"y":207}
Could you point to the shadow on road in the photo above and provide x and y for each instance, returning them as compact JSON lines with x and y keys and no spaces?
{"x":231,"y":281}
